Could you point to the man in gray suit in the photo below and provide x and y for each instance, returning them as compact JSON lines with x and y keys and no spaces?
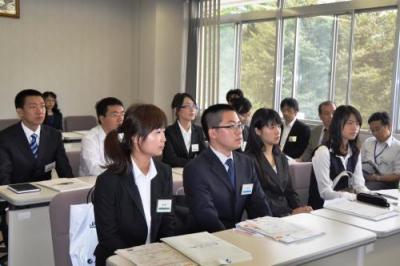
{"x":319,"y":134}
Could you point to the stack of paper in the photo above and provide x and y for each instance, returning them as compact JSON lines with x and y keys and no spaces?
{"x":359,"y":209}
{"x":64,"y":184}
{"x":207,"y":249}
{"x":155,"y":254}
{"x":278,"y":229}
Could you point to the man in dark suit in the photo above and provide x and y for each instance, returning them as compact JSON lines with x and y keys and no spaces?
{"x":28,"y":149}
{"x":221,"y":183}
{"x":295,"y":134}
{"x":319,"y":134}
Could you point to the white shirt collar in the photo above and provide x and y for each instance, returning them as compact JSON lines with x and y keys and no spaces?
{"x":137,"y":173}
{"x":28,"y":132}
{"x":183,"y":129}
{"x":290,"y":124}
{"x":222,"y":157}
{"x":389,"y":141}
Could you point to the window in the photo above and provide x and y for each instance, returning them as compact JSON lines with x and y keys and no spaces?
{"x":257,"y":63}
{"x":227,"y":60}
{"x":245,"y":6}
{"x":296,"y":3}
{"x":373,"y":58}
{"x":289,"y":37}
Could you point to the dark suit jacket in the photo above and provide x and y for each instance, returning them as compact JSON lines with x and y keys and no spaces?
{"x":278,"y":187}
{"x":301,"y":132}
{"x":313,"y":143}
{"x":119,"y":214}
{"x":57,"y":121}
{"x":213,"y":202}
{"x":175,"y":153}
{"x":17,"y":163}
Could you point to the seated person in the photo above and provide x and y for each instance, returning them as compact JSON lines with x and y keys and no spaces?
{"x":319,"y":134}
{"x":53,"y":116}
{"x":243,"y":107}
{"x":381,"y":154}
{"x":29,"y":150}
{"x":185,"y":140}
{"x":110,"y":114}
{"x":271,"y":164}
{"x":221,"y":183}
{"x":233,"y":94}
{"x":340,"y":156}
{"x":133,"y":197}
{"x":295,"y":134}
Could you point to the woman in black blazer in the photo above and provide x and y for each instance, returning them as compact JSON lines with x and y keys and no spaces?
{"x":272,"y":165}
{"x":53,"y":116}
{"x":177,"y":151}
{"x":133,"y":197}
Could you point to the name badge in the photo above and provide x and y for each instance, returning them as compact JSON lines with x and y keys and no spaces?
{"x":49,"y":167}
{"x":247,"y":189}
{"x":292,"y":138}
{"x":195,"y":147}
{"x":164,"y":205}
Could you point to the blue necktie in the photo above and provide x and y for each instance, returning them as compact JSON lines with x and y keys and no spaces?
{"x":231,"y":171}
{"x":34,"y":145}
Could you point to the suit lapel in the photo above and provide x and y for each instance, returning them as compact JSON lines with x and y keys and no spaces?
{"x":219,"y":170}
{"x":44,"y":139}
{"x":130,"y":185}
{"x":281,"y":180}
{"x":181,"y":142}
{"x":22,"y":142}
{"x":156,"y":194}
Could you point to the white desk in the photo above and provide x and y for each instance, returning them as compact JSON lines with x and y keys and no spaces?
{"x":340,"y":245}
{"x":73,"y":147}
{"x":74,"y":135}
{"x":29,"y":231}
{"x":386,"y":250}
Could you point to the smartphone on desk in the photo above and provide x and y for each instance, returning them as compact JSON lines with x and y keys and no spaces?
{"x":23,"y":188}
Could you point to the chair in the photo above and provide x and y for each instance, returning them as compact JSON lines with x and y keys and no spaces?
{"x":301,"y":173}
{"x":74,"y":161}
{"x":83,"y":122}
{"x":59,"y":220}
{"x":4,"y":123}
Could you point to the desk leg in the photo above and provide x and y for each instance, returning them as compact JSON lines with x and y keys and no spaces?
{"x":30,"y":241}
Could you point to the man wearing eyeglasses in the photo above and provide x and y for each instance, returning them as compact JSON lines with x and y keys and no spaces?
{"x":221,"y":183}
{"x":110,"y":114}
{"x":381,"y":154}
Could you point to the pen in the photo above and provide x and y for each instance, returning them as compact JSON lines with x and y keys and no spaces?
{"x":387,"y":196}
{"x":64,"y":183}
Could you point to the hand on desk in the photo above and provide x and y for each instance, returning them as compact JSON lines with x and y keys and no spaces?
{"x":304,"y":209}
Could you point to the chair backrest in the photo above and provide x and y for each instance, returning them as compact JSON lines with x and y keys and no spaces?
{"x":82,"y":122}
{"x":4,"y":123}
{"x":74,"y":160}
{"x":301,"y":173}
{"x":59,"y":220}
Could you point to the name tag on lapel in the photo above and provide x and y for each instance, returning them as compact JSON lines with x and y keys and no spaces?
{"x":164,"y":205}
{"x":195,"y":147}
{"x":247,"y":189}
{"x":49,"y":167}
{"x":292,"y":138}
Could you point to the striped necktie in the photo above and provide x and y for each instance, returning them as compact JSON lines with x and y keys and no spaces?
{"x":34,"y":145}
{"x":231,"y":172}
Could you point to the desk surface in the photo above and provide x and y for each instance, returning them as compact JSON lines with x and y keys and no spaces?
{"x":43,"y":196}
{"x":338,"y":237}
{"x":382,"y":228}
{"x":74,"y":135}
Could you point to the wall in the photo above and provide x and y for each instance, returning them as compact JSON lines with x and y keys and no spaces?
{"x":87,"y":50}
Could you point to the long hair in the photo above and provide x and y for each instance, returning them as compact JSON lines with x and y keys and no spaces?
{"x":47,"y":94}
{"x":261,"y":118}
{"x":178,"y":100}
{"x":339,"y":119}
{"x":139,"y":121}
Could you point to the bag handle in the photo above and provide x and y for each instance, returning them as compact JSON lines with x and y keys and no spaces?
{"x":90,"y":194}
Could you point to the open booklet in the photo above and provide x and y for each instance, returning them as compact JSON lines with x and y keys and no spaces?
{"x":277,"y":229}
{"x":207,"y":249}
{"x":359,"y":209}
{"x":155,"y":254}
{"x":64,"y":184}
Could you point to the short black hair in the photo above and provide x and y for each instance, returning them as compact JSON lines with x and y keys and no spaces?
{"x":234,"y":93}
{"x":102,"y":105}
{"x":178,"y":100}
{"x":290,"y":102}
{"x":21,"y":96}
{"x":324,"y":104}
{"x":212,"y":116}
{"x":380,"y":116}
{"x":241,"y":105}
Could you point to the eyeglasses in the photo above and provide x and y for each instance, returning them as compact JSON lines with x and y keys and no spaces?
{"x":191,"y":106}
{"x":231,"y":127}
{"x":117,"y":115}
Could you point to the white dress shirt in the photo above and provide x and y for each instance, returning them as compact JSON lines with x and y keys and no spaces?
{"x":385,"y":155}
{"x":321,"y":164}
{"x":285,"y":133}
{"x":143,"y":182}
{"x":187,"y":136}
{"x":28,"y":133}
{"x":92,"y":152}
{"x":222,"y":157}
